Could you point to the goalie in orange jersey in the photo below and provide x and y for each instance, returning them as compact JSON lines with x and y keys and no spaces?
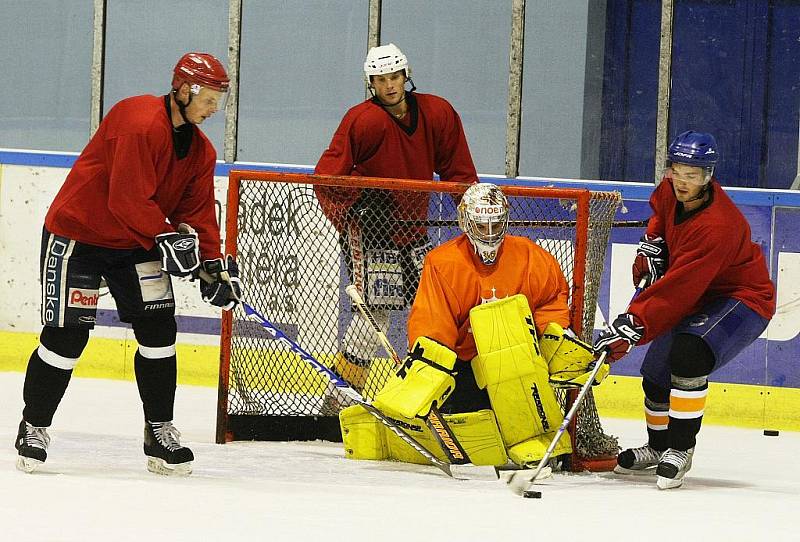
{"x":488,"y":331}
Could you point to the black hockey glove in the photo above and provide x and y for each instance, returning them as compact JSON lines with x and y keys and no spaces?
{"x":652,"y":259}
{"x":226,"y":290}
{"x":622,"y":335}
{"x":180,"y":253}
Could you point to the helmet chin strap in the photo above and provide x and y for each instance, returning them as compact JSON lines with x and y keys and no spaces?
{"x":181,"y":106}
{"x":700,"y":195}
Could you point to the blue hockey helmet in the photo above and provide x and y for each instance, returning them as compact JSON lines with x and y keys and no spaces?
{"x":692,"y":148}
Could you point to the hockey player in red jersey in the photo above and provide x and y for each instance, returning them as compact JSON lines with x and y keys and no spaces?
{"x":400,"y":134}
{"x":137,"y":206}
{"x":488,"y":334}
{"x":708,"y":295}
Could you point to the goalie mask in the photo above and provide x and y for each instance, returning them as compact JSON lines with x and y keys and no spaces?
{"x":483,"y":217}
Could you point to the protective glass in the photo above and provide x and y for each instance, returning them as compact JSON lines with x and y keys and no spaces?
{"x":209,"y":98}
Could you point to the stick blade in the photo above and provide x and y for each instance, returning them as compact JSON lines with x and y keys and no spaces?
{"x":468,"y":471}
{"x":522,"y":480}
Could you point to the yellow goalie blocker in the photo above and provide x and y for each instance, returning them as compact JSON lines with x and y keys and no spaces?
{"x":510,"y":366}
{"x":364,"y":437}
{"x":424,"y":379}
{"x":569,"y":360}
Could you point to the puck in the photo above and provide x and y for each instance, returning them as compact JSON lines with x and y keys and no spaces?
{"x":530,"y":494}
{"x":771,"y":432}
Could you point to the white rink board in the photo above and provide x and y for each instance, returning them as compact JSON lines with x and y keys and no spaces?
{"x":25,"y":196}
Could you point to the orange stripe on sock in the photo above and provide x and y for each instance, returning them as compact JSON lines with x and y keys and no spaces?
{"x":687,"y":404}
{"x":656,"y":421}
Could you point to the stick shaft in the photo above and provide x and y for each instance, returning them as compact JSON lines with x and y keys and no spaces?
{"x":435,"y":421}
{"x":575,"y":405}
{"x":345,"y":388}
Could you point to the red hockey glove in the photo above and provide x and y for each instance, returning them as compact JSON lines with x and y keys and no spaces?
{"x":652,"y":259}
{"x":622,"y":335}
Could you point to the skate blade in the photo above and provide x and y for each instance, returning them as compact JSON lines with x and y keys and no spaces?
{"x":669,"y":483}
{"x":474,"y":472}
{"x":28,"y":464}
{"x":157,"y":465}
{"x":649,"y":471}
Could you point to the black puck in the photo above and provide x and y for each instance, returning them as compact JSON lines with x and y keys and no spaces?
{"x":771,"y":432}
{"x":530,"y":494}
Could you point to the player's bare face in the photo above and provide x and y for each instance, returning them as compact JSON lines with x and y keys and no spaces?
{"x":390,"y":87}
{"x":204,"y":105}
{"x":687,"y":182}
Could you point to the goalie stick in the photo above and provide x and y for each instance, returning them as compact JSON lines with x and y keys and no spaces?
{"x":344,"y":386}
{"x":529,"y":492}
{"x":455,"y":453}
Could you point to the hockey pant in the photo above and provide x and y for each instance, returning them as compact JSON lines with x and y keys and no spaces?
{"x":511,"y":368}
{"x":365,"y":437}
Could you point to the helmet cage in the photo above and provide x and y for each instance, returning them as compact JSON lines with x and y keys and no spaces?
{"x":483,"y":217}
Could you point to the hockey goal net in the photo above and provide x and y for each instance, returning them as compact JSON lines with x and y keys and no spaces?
{"x":298,"y":246}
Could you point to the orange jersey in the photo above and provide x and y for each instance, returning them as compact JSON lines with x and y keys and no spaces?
{"x":454,"y":279}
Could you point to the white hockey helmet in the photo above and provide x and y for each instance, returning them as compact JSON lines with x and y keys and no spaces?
{"x":483,"y":216}
{"x":385,"y":59}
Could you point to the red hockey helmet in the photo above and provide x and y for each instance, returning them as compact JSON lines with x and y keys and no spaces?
{"x":202,"y":69}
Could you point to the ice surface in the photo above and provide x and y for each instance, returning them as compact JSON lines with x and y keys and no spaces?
{"x":94,"y":487}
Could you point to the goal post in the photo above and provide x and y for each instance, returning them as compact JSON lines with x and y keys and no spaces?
{"x":298,"y":247}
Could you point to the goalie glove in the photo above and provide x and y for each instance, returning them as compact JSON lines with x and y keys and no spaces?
{"x":226,"y":290}
{"x":569,"y":360}
{"x":425,"y":378}
{"x":180,"y":253}
{"x":623,"y":334}
{"x":652,"y":259}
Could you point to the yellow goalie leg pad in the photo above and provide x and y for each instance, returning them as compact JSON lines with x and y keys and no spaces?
{"x":362,"y":435}
{"x":479,"y":435}
{"x":569,"y":360}
{"x":424,"y":379}
{"x":366,"y":438}
{"x":532,"y":450}
{"x":511,"y":368}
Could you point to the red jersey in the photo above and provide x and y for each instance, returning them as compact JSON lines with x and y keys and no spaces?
{"x":370,"y":142}
{"x":710,"y":256}
{"x":454,"y":280}
{"x":128,"y":181}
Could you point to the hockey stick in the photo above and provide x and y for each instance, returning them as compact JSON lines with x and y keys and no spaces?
{"x":340,"y":384}
{"x":250,"y":404}
{"x":529,"y":492}
{"x":456,"y":455}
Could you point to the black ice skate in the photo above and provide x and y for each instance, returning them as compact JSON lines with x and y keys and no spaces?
{"x":164,"y":452}
{"x":32,"y":445}
{"x":673,"y":467}
{"x":642,"y":460}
